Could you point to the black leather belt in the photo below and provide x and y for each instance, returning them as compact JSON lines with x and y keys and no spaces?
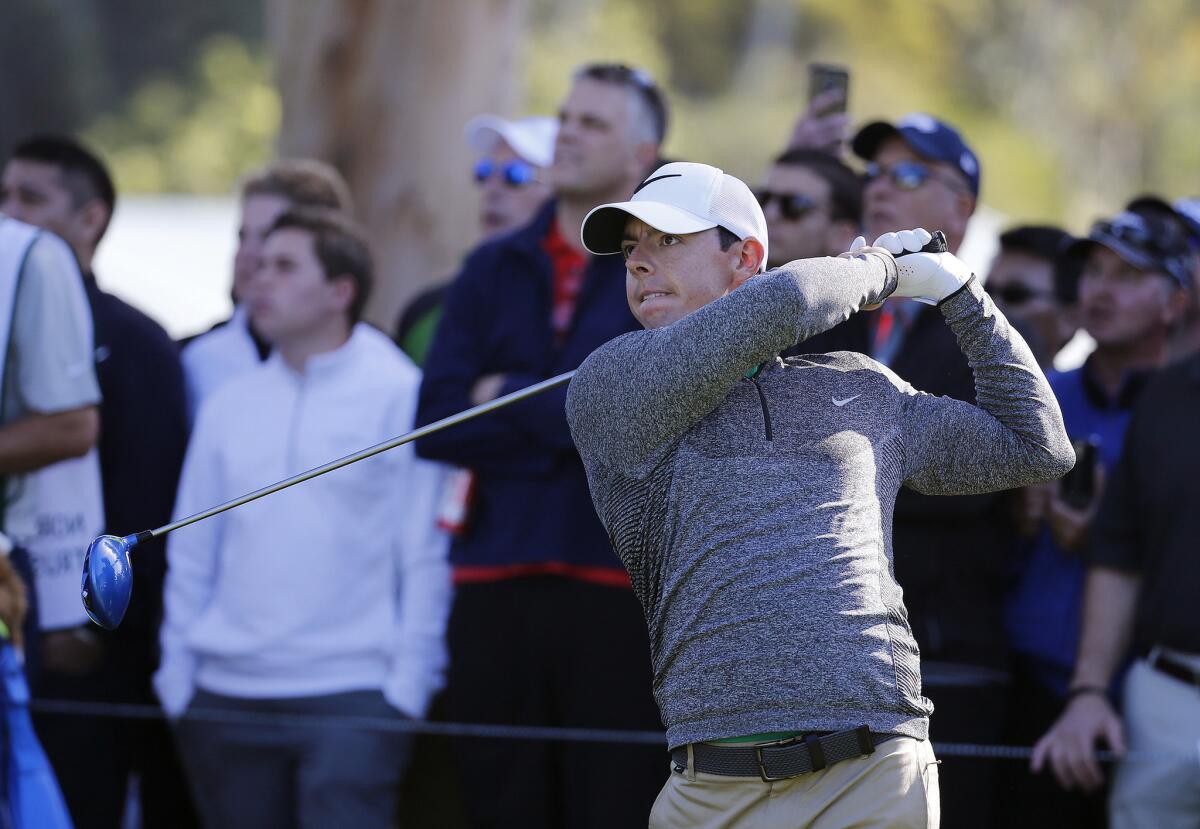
{"x":781,"y":760}
{"x":1174,"y":668}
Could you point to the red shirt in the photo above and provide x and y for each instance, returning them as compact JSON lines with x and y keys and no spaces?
{"x":568,"y":266}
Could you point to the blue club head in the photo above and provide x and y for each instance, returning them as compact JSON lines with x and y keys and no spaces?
{"x":107,"y":579}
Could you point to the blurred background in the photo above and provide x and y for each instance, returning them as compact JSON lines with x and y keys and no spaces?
{"x":1072,"y":106}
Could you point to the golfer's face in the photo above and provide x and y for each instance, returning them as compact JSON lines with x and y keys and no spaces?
{"x":667,"y":276}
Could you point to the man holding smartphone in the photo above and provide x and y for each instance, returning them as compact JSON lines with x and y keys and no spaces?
{"x":825,"y":125}
{"x":1130,"y":273}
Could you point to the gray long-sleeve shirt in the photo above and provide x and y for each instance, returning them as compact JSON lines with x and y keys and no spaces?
{"x":754,"y":515}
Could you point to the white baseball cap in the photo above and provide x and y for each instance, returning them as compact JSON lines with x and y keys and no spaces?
{"x":531,"y":138}
{"x":680,"y":197}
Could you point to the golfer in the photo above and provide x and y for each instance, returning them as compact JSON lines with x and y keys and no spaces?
{"x":751,"y":500}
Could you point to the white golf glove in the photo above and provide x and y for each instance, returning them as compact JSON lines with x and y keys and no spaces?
{"x":925,"y":277}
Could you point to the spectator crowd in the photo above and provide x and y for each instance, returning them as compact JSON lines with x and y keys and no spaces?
{"x":468,"y":577}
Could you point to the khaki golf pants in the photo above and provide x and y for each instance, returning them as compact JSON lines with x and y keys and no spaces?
{"x":896,"y":787}
{"x":1161,"y":789}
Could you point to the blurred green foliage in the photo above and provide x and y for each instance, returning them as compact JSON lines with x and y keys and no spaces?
{"x":1073,"y":106}
{"x":65,"y":63}
{"x":197,"y":133}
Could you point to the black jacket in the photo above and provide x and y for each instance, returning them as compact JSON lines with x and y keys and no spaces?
{"x":143,"y":437}
{"x":1148,"y":522}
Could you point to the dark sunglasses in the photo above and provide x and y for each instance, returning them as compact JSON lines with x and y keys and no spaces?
{"x":792,"y":206}
{"x":909,"y":175}
{"x":1019,"y":294}
{"x":516,"y":173}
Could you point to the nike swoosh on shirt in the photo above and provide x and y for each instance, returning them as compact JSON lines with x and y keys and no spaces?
{"x":839,"y":403}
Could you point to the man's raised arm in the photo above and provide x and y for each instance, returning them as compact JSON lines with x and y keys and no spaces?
{"x":637,"y":392}
{"x":1013,"y":436}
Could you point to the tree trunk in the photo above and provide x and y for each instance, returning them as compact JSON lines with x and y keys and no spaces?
{"x":382,"y":90}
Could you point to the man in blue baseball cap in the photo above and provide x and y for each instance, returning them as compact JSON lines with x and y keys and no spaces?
{"x":1141,"y":240}
{"x":920,"y":172}
{"x":918,"y":169}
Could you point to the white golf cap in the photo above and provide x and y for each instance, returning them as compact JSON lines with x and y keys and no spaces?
{"x":680,"y":197}
{"x":531,"y":138}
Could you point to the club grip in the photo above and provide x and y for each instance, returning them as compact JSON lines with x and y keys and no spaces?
{"x":936,"y":245}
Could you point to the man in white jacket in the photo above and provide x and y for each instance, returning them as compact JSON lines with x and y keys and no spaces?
{"x":326,"y":600}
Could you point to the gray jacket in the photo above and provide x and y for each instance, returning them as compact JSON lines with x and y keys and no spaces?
{"x":754,"y":515}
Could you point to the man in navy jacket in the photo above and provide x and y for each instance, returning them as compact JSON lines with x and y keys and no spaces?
{"x":545,"y":629}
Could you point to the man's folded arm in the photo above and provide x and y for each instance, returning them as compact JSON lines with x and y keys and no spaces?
{"x":458,"y":357}
{"x":542,"y":417}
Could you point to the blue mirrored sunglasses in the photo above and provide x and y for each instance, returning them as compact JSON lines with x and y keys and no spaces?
{"x":905,"y":175}
{"x":516,"y":173}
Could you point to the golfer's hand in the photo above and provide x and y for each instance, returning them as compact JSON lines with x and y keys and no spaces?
{"x":815,"y":131}
{"x":487,"y":388}
{"x":1070,"y":745}
{"x":925,"y":277}
{"x":894,"y":244}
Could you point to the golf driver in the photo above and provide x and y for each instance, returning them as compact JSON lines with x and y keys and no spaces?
{"x":108,"y":574}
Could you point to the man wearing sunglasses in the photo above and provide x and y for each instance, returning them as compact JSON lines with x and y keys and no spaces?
{"x":510,"y":171}
{"x":813,"y":206}
{"x":920,"y":172}
{"x":545,"y":629}
{"x":512,"y":157}
{"x":1024,"y":283}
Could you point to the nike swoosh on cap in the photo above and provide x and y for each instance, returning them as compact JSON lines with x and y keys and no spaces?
{"x":656,"y":178}
{"x":839,"y":403}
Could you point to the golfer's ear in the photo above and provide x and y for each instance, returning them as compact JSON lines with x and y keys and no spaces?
{"x":750,"y":260}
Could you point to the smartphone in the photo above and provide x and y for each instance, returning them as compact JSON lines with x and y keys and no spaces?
{"x":1078,"y":487}
{"x":825,"y":76}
